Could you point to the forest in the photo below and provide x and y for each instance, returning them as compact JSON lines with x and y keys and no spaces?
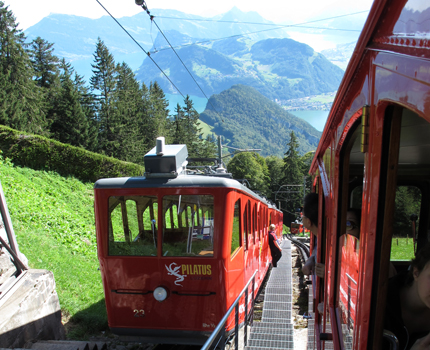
{"x":113,"y":114}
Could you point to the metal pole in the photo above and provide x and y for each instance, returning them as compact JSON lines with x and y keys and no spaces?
{"x":8,"y":223}
{"x":304,"y":188}
{"x":219,"y":151}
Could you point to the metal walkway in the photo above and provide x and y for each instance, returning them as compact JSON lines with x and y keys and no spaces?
{"x":275,"y":331}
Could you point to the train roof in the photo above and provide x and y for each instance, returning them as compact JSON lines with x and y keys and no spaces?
{"x":179,"y":181}
{"x":392,"y":26}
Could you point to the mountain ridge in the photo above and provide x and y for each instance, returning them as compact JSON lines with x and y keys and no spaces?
{"x":249,"y":120}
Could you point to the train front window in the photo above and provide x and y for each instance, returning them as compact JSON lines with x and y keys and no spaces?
{"x":188,"y":225}
{"x":133,"y":225}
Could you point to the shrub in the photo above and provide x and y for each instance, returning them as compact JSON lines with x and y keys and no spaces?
{"x":41,"y":153}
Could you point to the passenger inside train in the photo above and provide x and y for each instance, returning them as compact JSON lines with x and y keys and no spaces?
{"x":408,"y":305}
{"x":310,"y":222}
{"x":353,"y":217}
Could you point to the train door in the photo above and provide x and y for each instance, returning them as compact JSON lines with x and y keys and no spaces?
{"x":250,"y":265}
{"x":235,"y":278}
{"x":346,"y":268}
{"x":402,"y":216}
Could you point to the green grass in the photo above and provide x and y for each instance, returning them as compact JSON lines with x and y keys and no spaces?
{"x":402,"y":249}
{"x":206,"y":129}
{"x":53,"y":219}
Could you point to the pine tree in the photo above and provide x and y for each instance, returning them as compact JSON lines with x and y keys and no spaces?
{"x":127,"y":113}
{"x":20,"y":98}
{"x":156,"y":119}
{"x":70,"y":124}
{"x":251,"y":167}
{"x":293,"y":173}
{"x":275,"y":167}
{"x":176,"y":127}
{"x":86,"y":100}
{"x":103,"y":84}
{"x":45,"y":63}
{"x":186,"y":130}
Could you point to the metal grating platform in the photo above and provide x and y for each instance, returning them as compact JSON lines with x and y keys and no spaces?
{"x":275,"y":331}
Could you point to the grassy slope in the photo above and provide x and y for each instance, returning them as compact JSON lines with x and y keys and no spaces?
{"x":53,"y":219}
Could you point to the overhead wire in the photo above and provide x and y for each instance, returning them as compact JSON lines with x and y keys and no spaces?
{"x":146,"y":52}
{"x":191,"y":75}
{"x":241,"y":35}
{"x":278,"y":26}
{"x":261,"y":23}
{"x":149,"y":55}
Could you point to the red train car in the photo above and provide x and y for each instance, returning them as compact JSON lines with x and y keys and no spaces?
{"x":176,"y":249}
{"x":374,"y":156}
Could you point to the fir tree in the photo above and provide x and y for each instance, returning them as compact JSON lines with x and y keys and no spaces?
{"x":70,"y":124}
{"x":155,"y":124}
{"x":86,"y":100}
{"x":45,"y":63}
{"x":103,"y":84}
{"x":127,"y":113}
{"x":293,"y":173}
{"x":20,"y":98}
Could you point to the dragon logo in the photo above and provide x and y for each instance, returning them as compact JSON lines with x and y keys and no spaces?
{"x":173,"y":270}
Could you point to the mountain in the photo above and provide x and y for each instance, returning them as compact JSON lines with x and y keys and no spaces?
{"x":340,"y":55}
{"x":247,"y":119}
{"x":75,"y":37}
{"x":280,"y":69}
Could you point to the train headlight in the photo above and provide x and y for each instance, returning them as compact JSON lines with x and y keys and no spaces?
{"x":160,"y":293}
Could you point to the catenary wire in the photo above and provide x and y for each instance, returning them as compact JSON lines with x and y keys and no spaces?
{"x":278,"y":26}
{"x":152,"y":20}
{"x":260,"y":23}
{"x":149,"y":55}
{"x":241,"y":35}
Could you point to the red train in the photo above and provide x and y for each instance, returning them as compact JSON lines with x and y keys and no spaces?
{"x":373,"y":155}
{"x":176,"y":249}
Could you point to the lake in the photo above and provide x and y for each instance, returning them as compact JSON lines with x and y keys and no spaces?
{"x":199,"y":103}
{"x":316,"y":118}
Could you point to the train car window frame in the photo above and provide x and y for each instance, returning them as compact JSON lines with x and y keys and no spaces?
{"x":345,"y":281}
{"x":196,"y":238}
{"x":236,"y":229}
{"x":139,"y":239}
{"x":404,"y":144}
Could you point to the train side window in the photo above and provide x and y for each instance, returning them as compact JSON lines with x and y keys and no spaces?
{"x":254,"y":222}
{"x":350,"y":197}
{"x":235,"y":230}
{"x":132,"y":225}
{"x":194,"y":239}
{"x":244,"y":227}
{"x":405,"y":226}
{"x":249,"y":224}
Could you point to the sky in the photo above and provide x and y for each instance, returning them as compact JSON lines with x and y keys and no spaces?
{"x":30,"y":12}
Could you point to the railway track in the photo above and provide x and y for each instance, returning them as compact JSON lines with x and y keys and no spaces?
{"x":302,"y":247}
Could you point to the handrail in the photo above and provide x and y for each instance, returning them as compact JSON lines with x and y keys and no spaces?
{"x":221,"y":325}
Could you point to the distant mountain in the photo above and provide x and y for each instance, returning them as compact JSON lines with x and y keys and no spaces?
{"x":341,"y":55}
{"x":280,"y":69}
{"x":75,"y":37}
{"x":247,"y":119}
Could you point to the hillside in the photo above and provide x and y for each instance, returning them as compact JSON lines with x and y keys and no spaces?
{"x":249,"y":120}
{"x":341,"y":54}
{"x":53,"y":219}
{"x":280,"y":69}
